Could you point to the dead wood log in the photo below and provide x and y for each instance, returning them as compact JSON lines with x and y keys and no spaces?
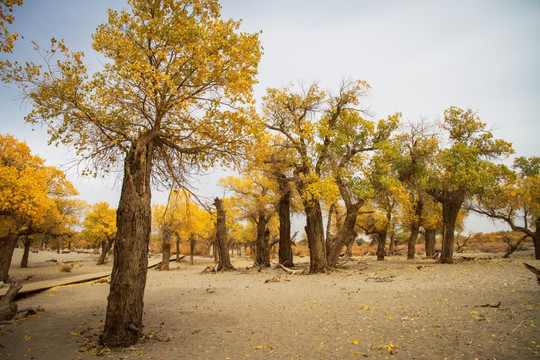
{"x":291,"y":271}
{"x":534,"y":270}
{"x":8,"y":308}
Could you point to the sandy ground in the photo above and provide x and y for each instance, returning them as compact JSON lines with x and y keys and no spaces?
{"x":396,"y":309}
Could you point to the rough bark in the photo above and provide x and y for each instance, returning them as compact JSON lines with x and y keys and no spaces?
{"x":262,"y":249}
{"x":8,"y":308}
{"x":430,"y":242}
{"x":166,"y":249}
{"x":415,"y":230}
{"x":536,"y":242}
{"x":105,"y":248}
{"x":450,"y":209}
{"x":123,"y":322}
{"x":284,"y":211}
{"x":315,"y":235}
{"x":24,"y":261}
{"x":191,"y":247}
{"x":381,"y":244}
{"x":224,"y":261}
{"x":7,"y":246}
{"x":177,"y":238}
{"x":345,"y":236}
{"x":348,"y":252}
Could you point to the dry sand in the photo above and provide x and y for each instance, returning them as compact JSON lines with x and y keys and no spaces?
{"x":396,"y":309}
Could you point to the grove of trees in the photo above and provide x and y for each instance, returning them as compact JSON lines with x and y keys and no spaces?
{"x":174,"y":98}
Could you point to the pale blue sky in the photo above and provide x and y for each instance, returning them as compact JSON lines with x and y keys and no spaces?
{"x":419,"y":56}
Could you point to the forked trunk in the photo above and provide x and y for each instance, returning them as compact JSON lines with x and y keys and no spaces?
{"x":24,"y":261}
{"x":166,"y":249}
{"x":285,"y":246}
{"x":345,"y":236}
{"x":430,"y":242}
{"x":105,"y":248}
{"x":224,"y":261}
{"x":7,"y":246}
{"x":123,"y":322}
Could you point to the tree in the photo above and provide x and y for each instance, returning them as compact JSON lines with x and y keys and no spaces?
{"x":99,"y":228}
{"x":463,"y":168}
{"x":7,"y":39}
{"x":169,"y":101}
{"x":222,"y":241}
{"x":31,"y":196}
{"x":516,"y":201}
{"x":321,"y":130}
{"x":410,"y":154}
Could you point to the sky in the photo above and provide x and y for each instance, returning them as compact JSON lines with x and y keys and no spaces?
{"x":420,"y":57}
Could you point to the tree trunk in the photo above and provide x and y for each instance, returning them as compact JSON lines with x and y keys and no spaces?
{"x":123,"y":322}
{"x":166,"y":248}
{"x":7,"y":246}
{"x":381,"y":244}
{"x":285,"y":246}
{"x":178,"y":249}
{"x":345,"y":236}
{"x":224,"y":262}
{"x":105,"y":248}
{"x":315,"y":235}
{"x":415,"y":230}
{"x":8,"y":307}
{"x":192,"y":243}
{"x":450,"y":210}
{"x":24,"y":261}
{"x":262,"y":251}
{"x":430,"y":242}
{"x":536,"y":242}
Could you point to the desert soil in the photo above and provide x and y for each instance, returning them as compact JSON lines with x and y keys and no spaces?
{"x":485,"y":308}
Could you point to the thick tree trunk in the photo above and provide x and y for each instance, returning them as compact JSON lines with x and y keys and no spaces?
{"x":224,"y":262}
{"x":285,"y":246}
{"x":8,"y":307}
{"x":415,"y":230}
{"x":381,"y":244}
{"x":123,"y":322}
{"x":7,"y":246}
{"x":166,"y":249}
{"x":345,"y":236}
{"x":105,"y":248}
{"x":450,"y":211}
{"x":315,"y":235}
{"x":430,"y":242}
{"x":24,"y":261}
{"x":262,"y":250}
{"x":536,"y":242}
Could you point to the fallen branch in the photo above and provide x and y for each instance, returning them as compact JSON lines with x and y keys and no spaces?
{"x":209,"y":270}
{"x":534,"y":270}
{"x":291,"y":271}
{"x":381,"y":278}
{"x":490,"y":305}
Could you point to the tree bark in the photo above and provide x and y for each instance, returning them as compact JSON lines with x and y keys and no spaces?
{"x":7,"y":246}
{"x":415,"y":230}
{"x":224,"y":262}
{"x":345,"y":236}
{"x":381,"y":243}
{"x":262,"y":250}
{"x":123,"y":322}
{"x":450,"y":209}
{"x":284,"y":210}
{"x":430,"y":242}
{"x":8,"y":307}
{"x":177,"y":242}
{"x":315,"y":235}
{"x":105,"y":248}
{"x":191,"y":247}
{"x":24,"y":261}
{"x":166,"y":248}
